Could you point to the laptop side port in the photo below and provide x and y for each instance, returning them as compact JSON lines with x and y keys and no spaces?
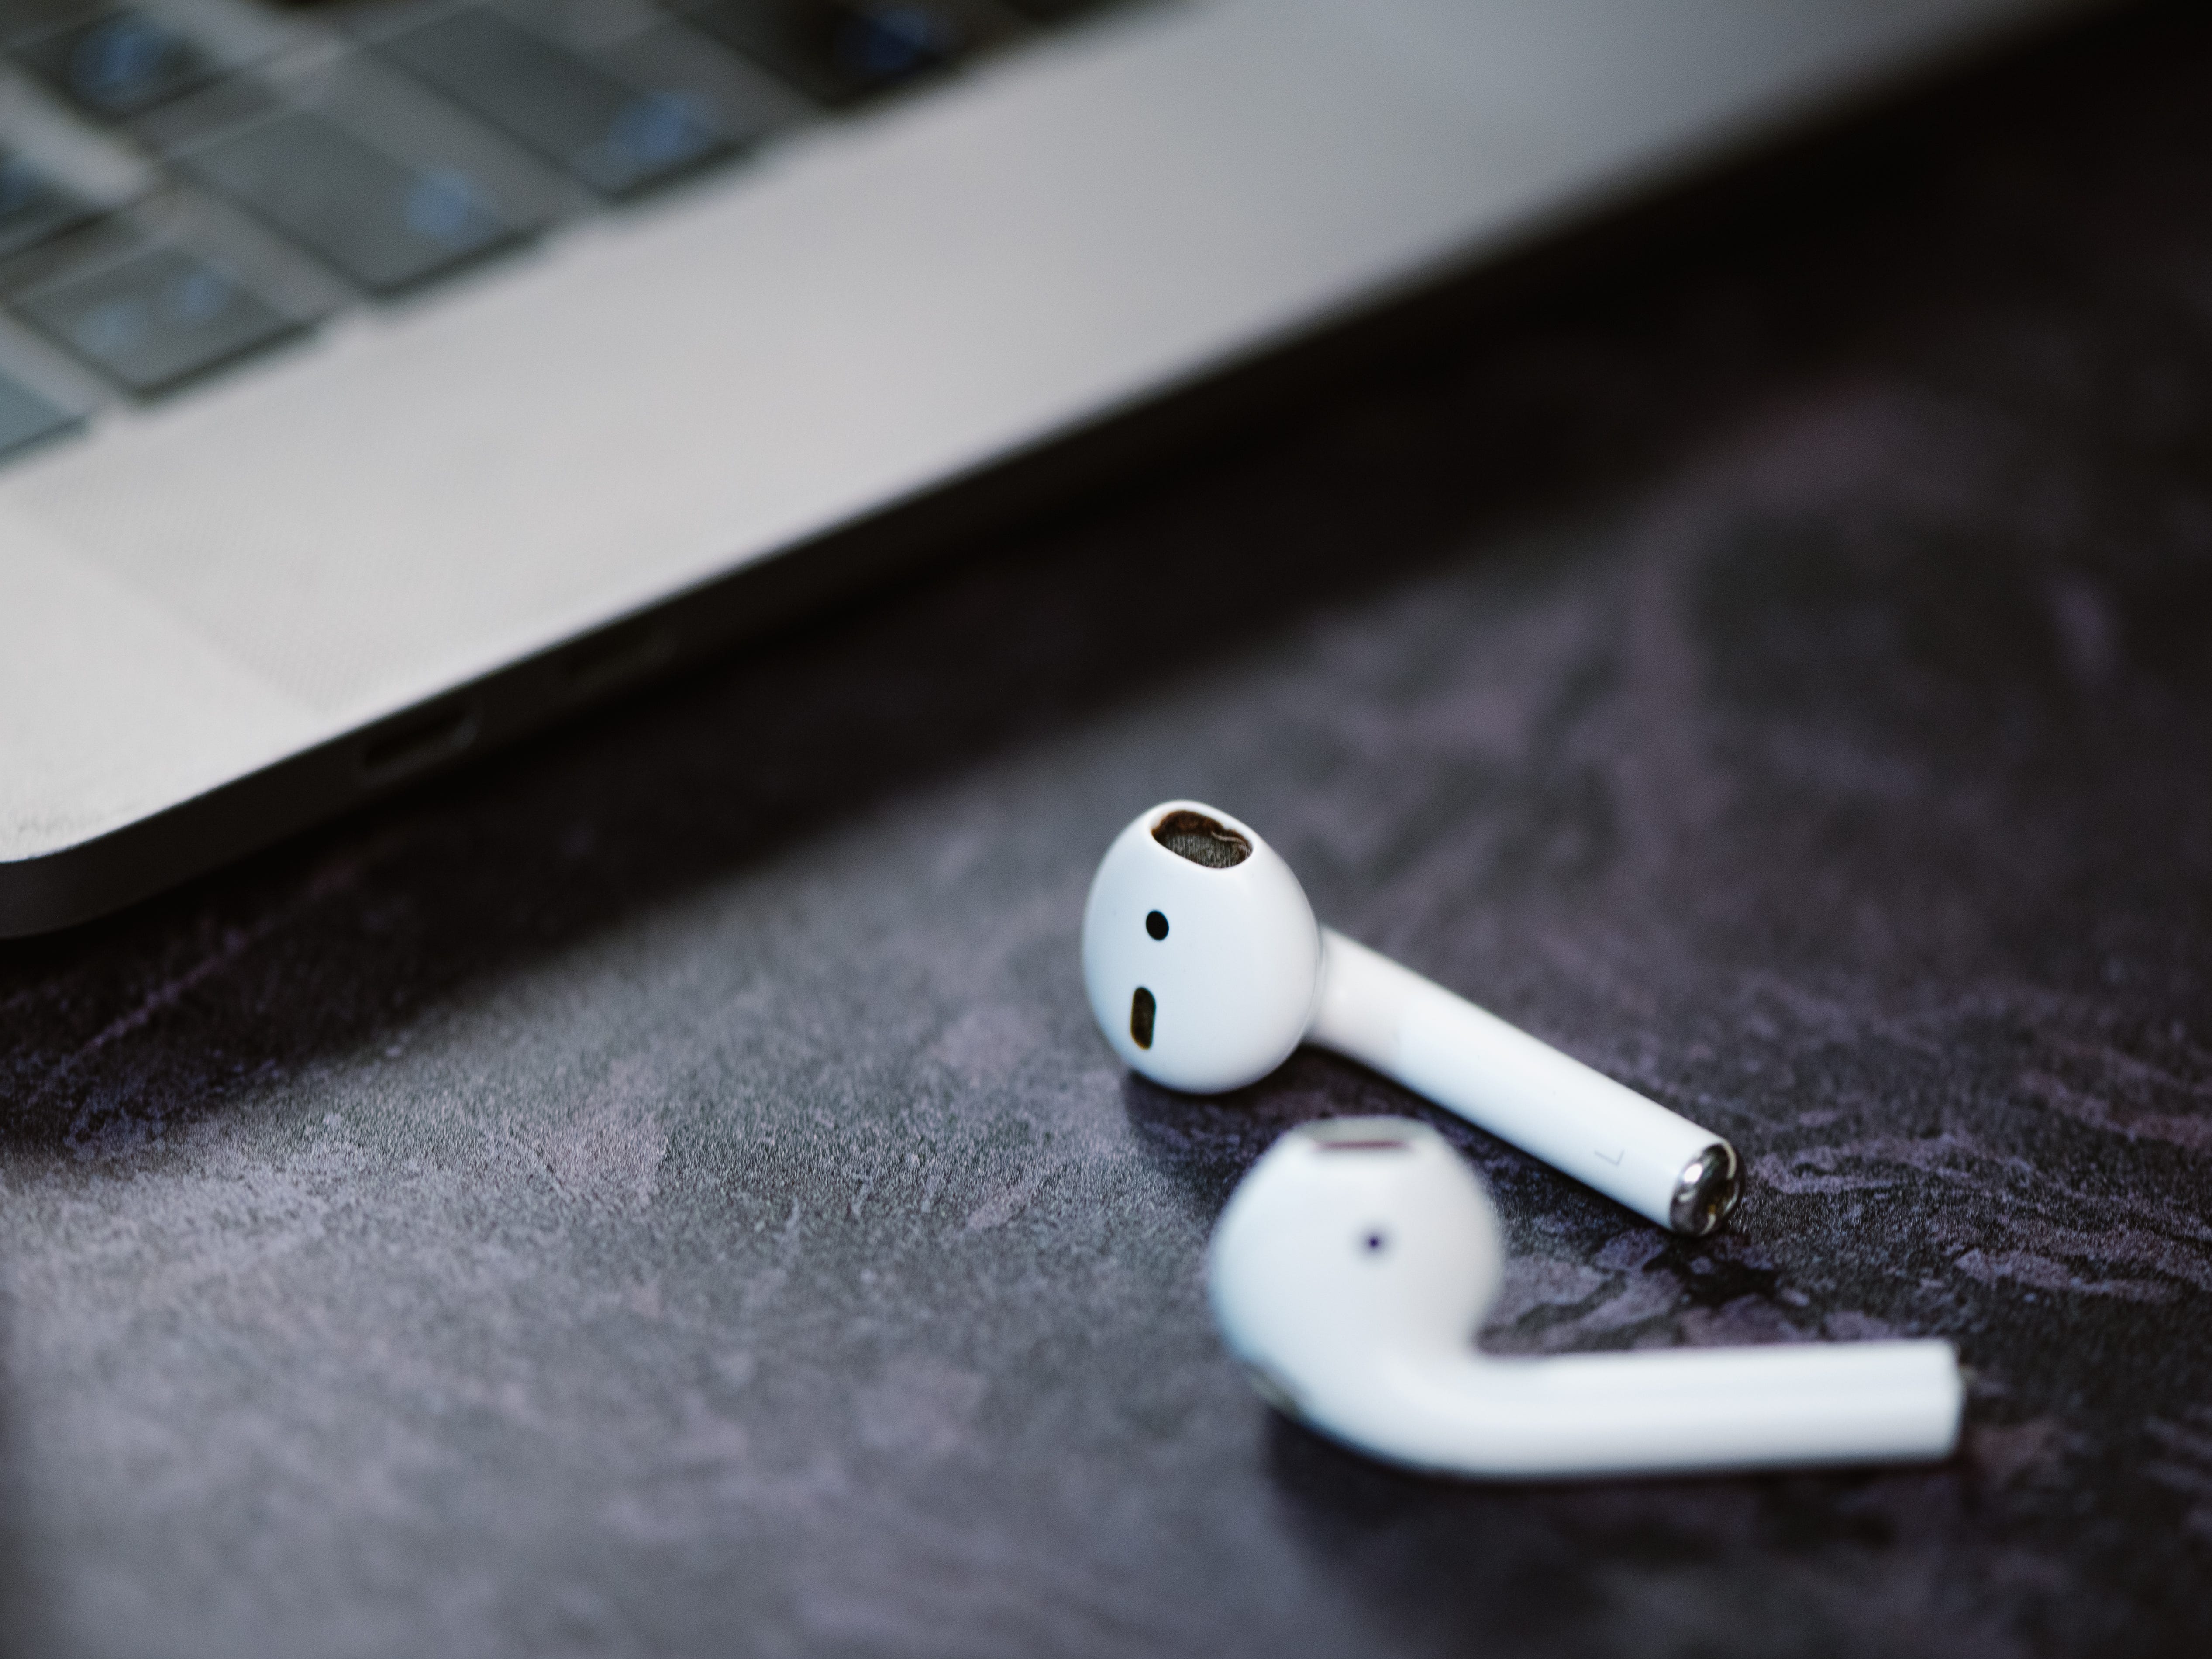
{"x":409,"y":744}
{"x":615,"y":656}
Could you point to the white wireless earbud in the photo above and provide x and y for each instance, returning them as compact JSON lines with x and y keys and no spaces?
{"x":1353,"y":1264}
{"x":1206,"y":968}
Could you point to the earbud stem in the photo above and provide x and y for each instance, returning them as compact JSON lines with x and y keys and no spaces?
{"x":1675,"y":1411}
{"x":1549,"y":1104}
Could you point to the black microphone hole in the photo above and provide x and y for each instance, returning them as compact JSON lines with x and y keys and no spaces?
{"x":1141,"y":1010}
{"x":1156,"y":924}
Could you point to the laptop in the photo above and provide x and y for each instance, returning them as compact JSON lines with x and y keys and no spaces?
{"x":380,"y":382}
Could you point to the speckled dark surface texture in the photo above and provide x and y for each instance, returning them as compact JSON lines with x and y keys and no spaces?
{"x":660,"y":1191}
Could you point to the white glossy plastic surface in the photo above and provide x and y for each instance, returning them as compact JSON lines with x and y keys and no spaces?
{"x":1243,"y":973}
{"x":1579,"y":1121}
{"x":1352,"y":1269}
{"x":1234,"y":978}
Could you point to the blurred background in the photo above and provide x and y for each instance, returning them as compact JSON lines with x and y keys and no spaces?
{"x":659,"y":1191}
{"x":188,"y":182}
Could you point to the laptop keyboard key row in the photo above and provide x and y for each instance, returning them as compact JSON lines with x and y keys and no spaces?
{"x":615,"y":138}
{"x":163,"y":315}
{"x":384,"y":225}
{"x":120,"y":64}
{"x":32,"y":207}
{"x":157,"y":318}
{"x":839,"y":51}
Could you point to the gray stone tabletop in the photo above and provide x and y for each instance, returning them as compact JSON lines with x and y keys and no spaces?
{"x":660,"y":1191}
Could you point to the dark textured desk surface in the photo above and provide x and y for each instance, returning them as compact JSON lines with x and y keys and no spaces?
{"x":661,"y":1192}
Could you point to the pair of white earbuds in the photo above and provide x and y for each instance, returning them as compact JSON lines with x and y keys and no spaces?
{"x":1354,"y":1262}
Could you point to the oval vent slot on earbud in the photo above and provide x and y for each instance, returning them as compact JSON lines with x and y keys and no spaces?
{"x":1202,"y":840}
{"x":1141,"y":1010}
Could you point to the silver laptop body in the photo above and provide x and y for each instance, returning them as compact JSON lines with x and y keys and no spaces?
{"x":308,"y":498}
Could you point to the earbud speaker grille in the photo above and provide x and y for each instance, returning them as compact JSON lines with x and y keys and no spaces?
{"x":1202,"y":840}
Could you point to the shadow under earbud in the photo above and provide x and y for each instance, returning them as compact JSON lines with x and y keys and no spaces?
{"x":1437,"y":1557}
{"x":1205,"y":1143}
{"x":1578,"y":1566}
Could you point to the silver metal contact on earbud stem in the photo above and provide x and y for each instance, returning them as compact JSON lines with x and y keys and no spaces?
{"x":1707,"y":1192}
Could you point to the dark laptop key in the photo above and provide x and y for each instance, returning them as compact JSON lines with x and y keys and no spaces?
{"x":120,"y":64}
{"x":159,"y":317}
{"x":382,"y":223}
{"x":616,"y":138}
{"x":26,"y":417}
{"x":32,"y":206}
{"x":839,"y":52}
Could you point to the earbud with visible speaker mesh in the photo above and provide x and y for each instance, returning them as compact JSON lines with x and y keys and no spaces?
{"x":1206,"y":969}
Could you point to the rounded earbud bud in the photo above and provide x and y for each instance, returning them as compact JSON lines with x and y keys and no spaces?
{"x":1351,"y":1271}
{"x":1206,"y":969}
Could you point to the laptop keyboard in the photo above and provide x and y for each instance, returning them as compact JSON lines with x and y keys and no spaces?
{"x":117,"y":65}
{"x":610,"y":136}
{"x":381,"y":224}
{"x":186,"y":183}
{"x":158,"y":317}
{"x":838,"y":55}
